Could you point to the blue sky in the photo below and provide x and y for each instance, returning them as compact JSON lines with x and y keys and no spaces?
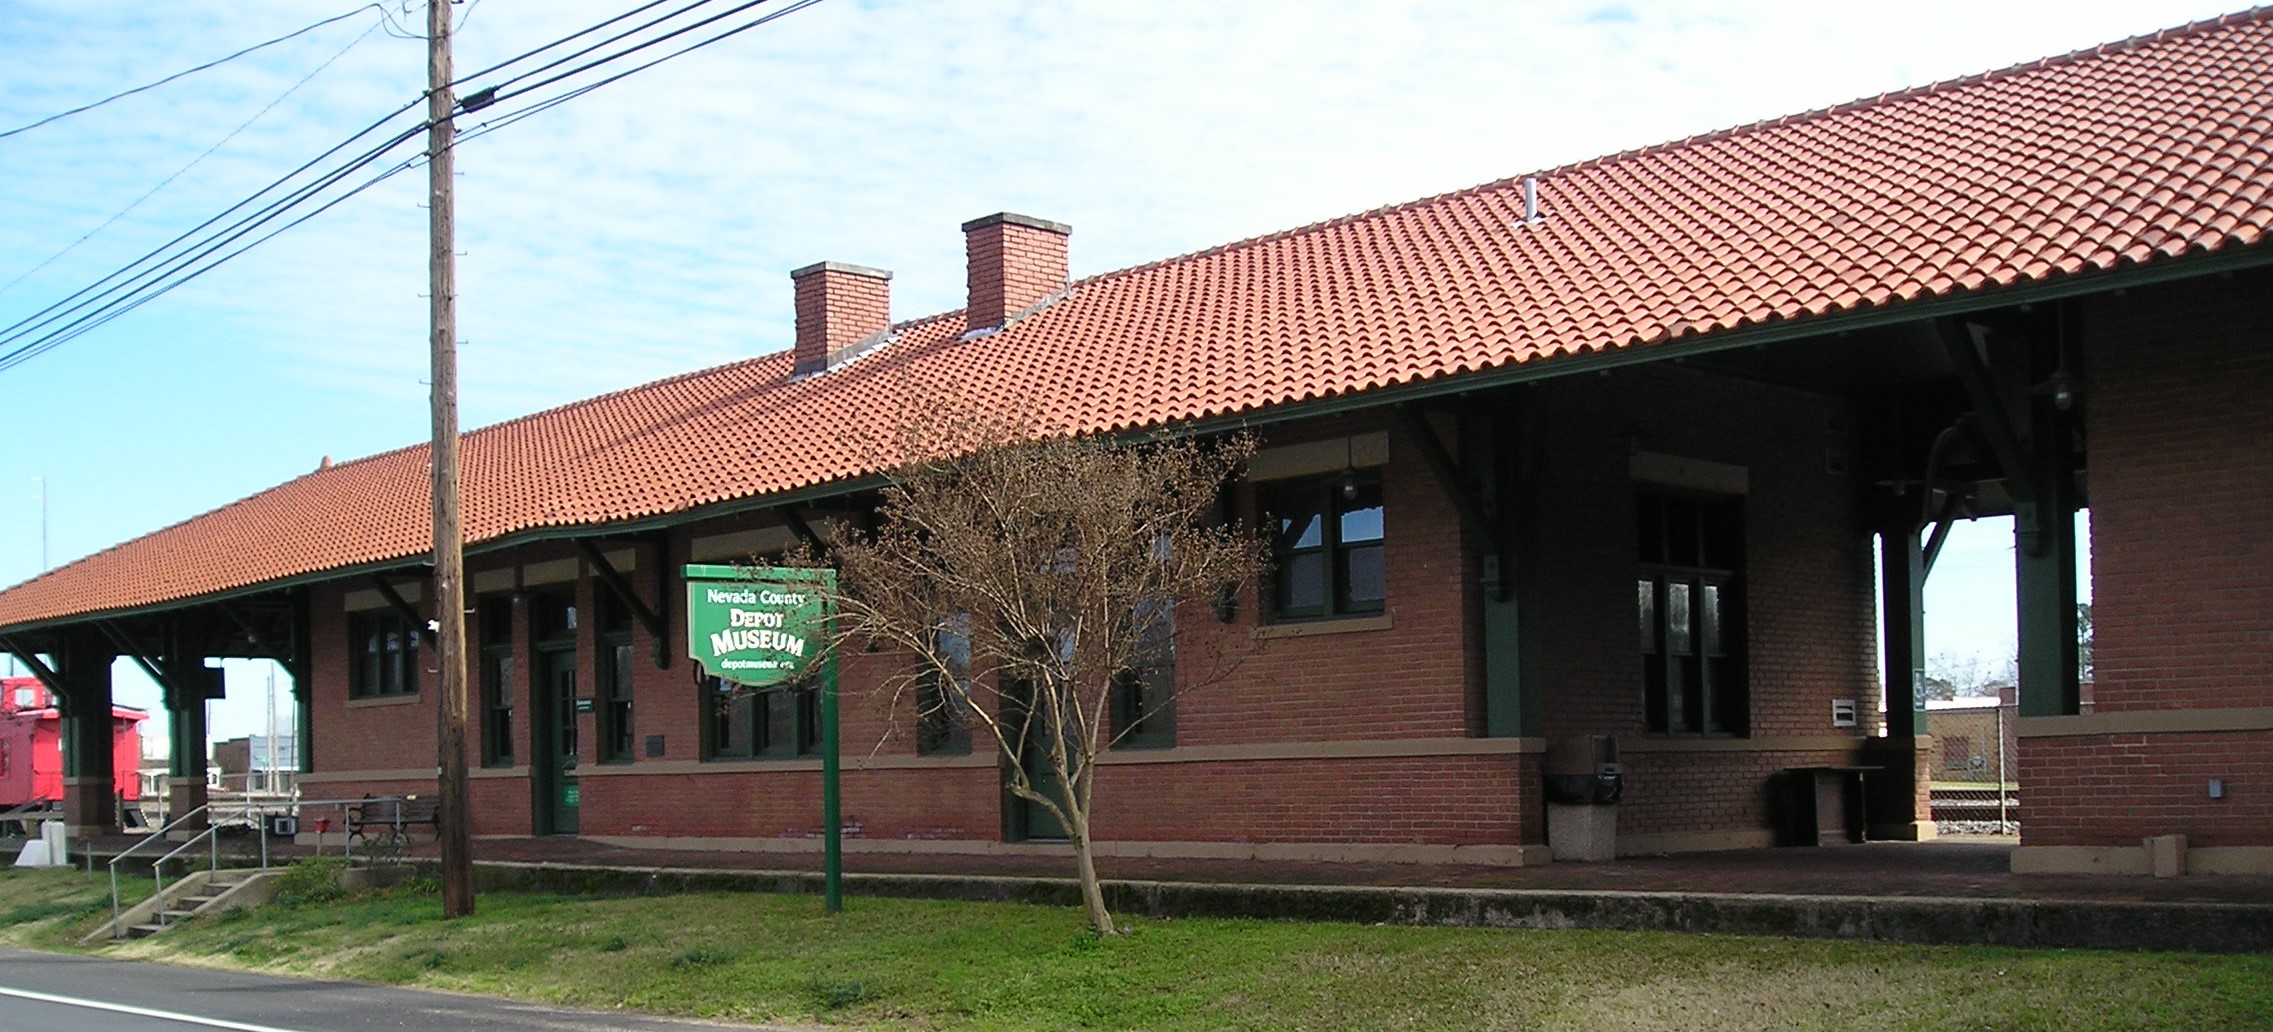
{"x":649,"y":228}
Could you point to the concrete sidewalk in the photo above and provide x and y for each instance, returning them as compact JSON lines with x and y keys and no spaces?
{"x":1952,"y":868}
{"x":1946,"y":891}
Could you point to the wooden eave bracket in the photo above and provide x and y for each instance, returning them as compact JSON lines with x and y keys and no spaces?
{"x":176,"y":693}
{"x":1995,"y":425}
{"x":1447,"y":473}
{"x":802,"y":529}
{"x":1942,"y":523}
{"x":404,"y":609}
{"x":125,"y":646}
{"x":47,"y":675}
{"x":640,"y":611}
{"x":254,"y":636}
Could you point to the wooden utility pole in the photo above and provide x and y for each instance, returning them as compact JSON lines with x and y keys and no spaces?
{"x":449,"y":552}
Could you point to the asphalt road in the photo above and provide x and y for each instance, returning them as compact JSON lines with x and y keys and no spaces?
{"x":47,"y":992}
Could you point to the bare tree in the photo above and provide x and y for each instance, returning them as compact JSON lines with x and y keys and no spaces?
{"x":1035,"y":582}
{"x":1951,"y":675}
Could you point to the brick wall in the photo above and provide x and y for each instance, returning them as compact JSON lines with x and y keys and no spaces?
{"x":1808,"y":587}
{"x":1410,"y":681}
{"x":1447,"y":800}
{"x":2180,"y":410}
{"x":2113,"y":790}
{"x":387,"y":734}
{"x":1810,"y":633}
{"x":2181,"y":441}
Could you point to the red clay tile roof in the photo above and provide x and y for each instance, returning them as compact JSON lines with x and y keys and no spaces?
{"x":2143,"y":151}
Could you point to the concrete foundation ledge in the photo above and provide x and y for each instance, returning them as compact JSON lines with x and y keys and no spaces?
{"x":2199,"y":927}
{"x":1299,"y":852}
{"x":2139,"y":860}
{"x":2229,"y":860}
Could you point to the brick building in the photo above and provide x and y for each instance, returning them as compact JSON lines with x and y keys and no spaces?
{"x":1623,"y":443}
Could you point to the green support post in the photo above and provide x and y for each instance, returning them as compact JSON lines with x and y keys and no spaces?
{"x":1902,"y":568}
{"x":755,"y":626}
{"x":89,"y":802}
{"x":832,"y":837}
{"x":2045,"y":574}
{"x":1504,"y":438}
{"x":2044,"y":559}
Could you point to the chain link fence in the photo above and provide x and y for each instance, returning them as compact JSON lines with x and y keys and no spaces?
{"x":1976,"y":790}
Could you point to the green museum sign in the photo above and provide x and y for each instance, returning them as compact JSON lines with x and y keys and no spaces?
{"x":758,"y":626}
{"x":767,"y":627}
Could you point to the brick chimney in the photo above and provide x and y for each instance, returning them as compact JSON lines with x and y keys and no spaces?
{"x":1014,"y":261}
{"x":838,"y":306}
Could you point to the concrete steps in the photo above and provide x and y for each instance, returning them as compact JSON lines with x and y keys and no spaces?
{"x":197,"y":893}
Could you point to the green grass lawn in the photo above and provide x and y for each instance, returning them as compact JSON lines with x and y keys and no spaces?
{"x":904,"y":964}
{"x":46,"y":909}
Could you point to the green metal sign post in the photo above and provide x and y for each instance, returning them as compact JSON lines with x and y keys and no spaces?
{"x":767,"y":628}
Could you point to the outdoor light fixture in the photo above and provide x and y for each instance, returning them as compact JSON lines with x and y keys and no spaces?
{"x":2062,"y":387}
{"x":1349,"y":471}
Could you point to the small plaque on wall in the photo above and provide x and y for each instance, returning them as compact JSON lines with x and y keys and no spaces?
{"x":1842,"y":713}
{"x":654,"y":747}
{"x":583,"y":705}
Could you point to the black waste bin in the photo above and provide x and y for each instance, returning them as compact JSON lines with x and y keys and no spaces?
{"x":1584,"y":771}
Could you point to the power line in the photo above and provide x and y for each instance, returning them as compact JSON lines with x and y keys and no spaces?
{"x":510,"y":61}
{"x":193,"y":163}
{"x":618,"y":37}
{"x":486,"y":128}
{"x":63,"y":336}
{"x":31,"y":323}
{"x":169,"y":274}
{"x":83,"y":108}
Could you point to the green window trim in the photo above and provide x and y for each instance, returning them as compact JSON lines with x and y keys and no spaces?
{"x":1689,"y":602}
{"x":497,"y":666}
{"x":613,"y":688}
{"x":1144,"y":696}
{"x":943,"y":718}
{"x":774,"y":724}
{"x":1328,"y":547}
{"x":382,"y":656}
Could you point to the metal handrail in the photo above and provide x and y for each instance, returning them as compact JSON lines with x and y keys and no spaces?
{"x":256,"y":813}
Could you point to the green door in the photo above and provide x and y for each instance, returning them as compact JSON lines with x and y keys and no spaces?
{"x":553,"y":768}
{"x":1028,"y":820}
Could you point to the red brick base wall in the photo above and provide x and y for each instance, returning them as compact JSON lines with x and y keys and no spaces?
{"x":1433,"y":800}
{"x":2113,"y":790}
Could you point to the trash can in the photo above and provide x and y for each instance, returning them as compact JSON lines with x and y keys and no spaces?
{"x":1584,"y":782}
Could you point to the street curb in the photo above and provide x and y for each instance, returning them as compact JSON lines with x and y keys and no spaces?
{"x":2064,"y":924}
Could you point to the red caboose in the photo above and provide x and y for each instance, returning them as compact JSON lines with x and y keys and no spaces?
{"x":31,"y":746}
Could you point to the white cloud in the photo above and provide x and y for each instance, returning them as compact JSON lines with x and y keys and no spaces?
{"x":648,"y":228}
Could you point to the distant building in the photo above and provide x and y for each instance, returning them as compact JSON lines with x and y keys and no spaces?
{"x":1974,"y":736}
{"x":255,"y":763}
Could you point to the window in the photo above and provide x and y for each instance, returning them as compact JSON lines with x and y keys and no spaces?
{"x":496,"y":680}
{"x":384,"y":651}
{"x":943,"y":719}
{"x":1326,"y":547}
{"x":1144,"y":697}
{"x":773,"y":723}
{"x":616,"y":666}
{"x":1692,"y":616}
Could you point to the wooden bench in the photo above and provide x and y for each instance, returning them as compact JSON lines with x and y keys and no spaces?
{"x":379,"y":828}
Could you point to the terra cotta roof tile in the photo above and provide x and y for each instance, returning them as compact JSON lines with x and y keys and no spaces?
{"x":2149,"y":150}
